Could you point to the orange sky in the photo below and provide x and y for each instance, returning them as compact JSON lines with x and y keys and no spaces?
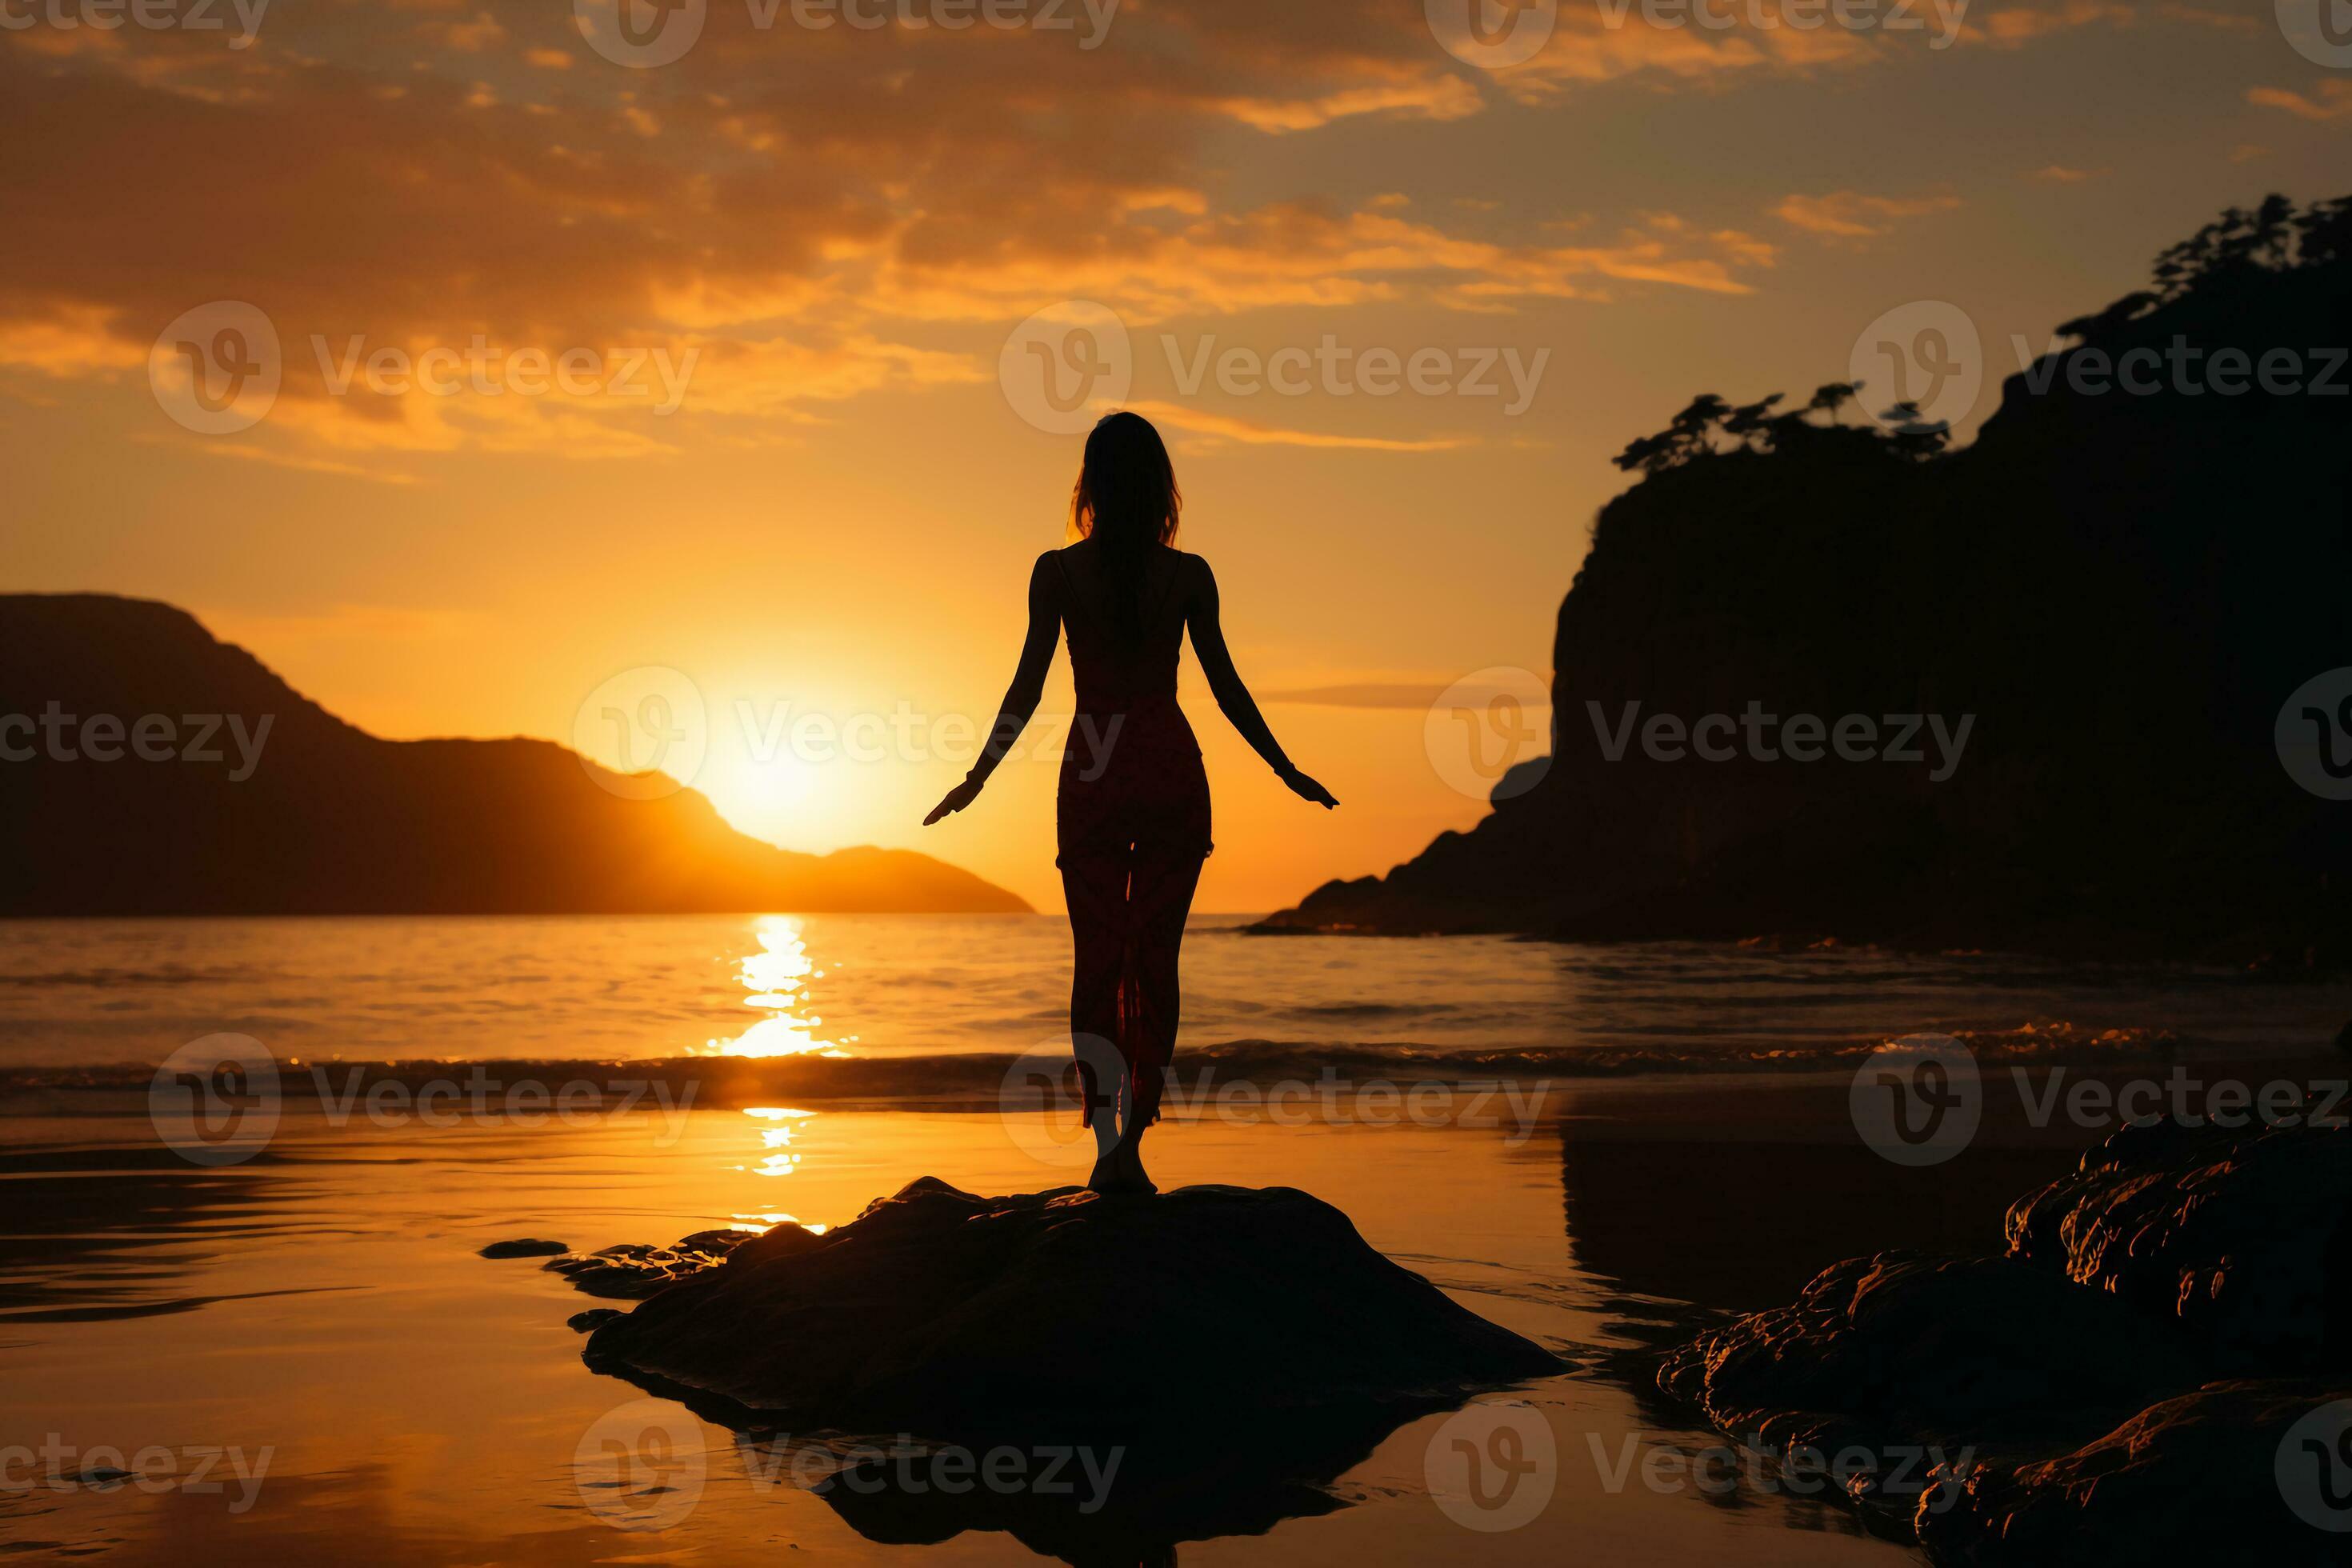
{"x":838,"y":228}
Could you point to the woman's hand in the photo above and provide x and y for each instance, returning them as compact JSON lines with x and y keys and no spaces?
{"x":1305,"y":788}
{"x":955,"y":800}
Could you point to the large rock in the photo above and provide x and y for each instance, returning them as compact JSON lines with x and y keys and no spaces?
{"x":2197,"y":1479}
{"x":1902,"y":1350}
{"x":944,"y":1314}
{"x":2125,"y":1385}
{"x":2239,"y":1235}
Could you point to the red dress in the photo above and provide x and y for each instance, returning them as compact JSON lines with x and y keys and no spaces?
{"x":1133,"y":826}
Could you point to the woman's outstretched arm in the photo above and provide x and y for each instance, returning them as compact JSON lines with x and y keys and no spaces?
{"x":1234,"y":698}
{"x":1021,"y":698}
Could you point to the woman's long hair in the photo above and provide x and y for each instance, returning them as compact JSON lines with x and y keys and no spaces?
{"x":1126,"y":500}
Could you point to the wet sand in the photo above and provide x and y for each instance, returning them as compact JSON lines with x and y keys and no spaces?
{"x":323,"y":1305}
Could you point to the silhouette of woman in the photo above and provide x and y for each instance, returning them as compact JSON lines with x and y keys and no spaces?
{"x":1133,"y":817}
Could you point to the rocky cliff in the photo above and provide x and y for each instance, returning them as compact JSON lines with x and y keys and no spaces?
{"x":2106,"y":600}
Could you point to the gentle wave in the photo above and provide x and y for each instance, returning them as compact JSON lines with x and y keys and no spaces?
{"x":964,"y":1076}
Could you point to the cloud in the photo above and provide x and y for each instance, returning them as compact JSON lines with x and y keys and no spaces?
{"x":484,"y":32}
{"x":2060,"y":174}
{"x":2221,"y":21}
{"x":2334,"y":100}
{"x":817,"y":214}
{"x":2013,"y":27}
{"x":1850,"y":215}
{"x":1223,"y":426}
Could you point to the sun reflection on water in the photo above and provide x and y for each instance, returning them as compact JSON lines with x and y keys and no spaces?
{"x":785,"y":1159}
{"x":778,"y":979}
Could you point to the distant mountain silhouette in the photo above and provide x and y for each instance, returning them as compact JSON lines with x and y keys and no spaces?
{"x":334,"y":821}
{"x":2124,"y":590}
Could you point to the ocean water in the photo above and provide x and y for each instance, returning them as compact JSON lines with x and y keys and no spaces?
{"x":90,"y":995}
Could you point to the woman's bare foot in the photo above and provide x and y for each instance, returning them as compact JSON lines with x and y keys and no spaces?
{"x":1127,"y":1169}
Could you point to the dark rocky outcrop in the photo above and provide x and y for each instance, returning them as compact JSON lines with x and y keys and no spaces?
{"x":527,"y":1246}
{"x":1902,"y":1348}
{"x":2240,"y":1237}
{"x":332,"y":820}
{"x":946,"y":1314}
{"x":2121,"y":1382}
{"x":2124,"y":590}
{"x":2194,"y":1478}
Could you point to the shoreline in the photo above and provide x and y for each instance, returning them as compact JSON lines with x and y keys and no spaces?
{"x":952,"y":1077}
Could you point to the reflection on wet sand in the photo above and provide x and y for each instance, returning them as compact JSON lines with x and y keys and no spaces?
{"x":1097,"y":1502}
{"x":100,"y":1234}
{"x":429,"y":1410}
{"x":1743,"y":1195}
